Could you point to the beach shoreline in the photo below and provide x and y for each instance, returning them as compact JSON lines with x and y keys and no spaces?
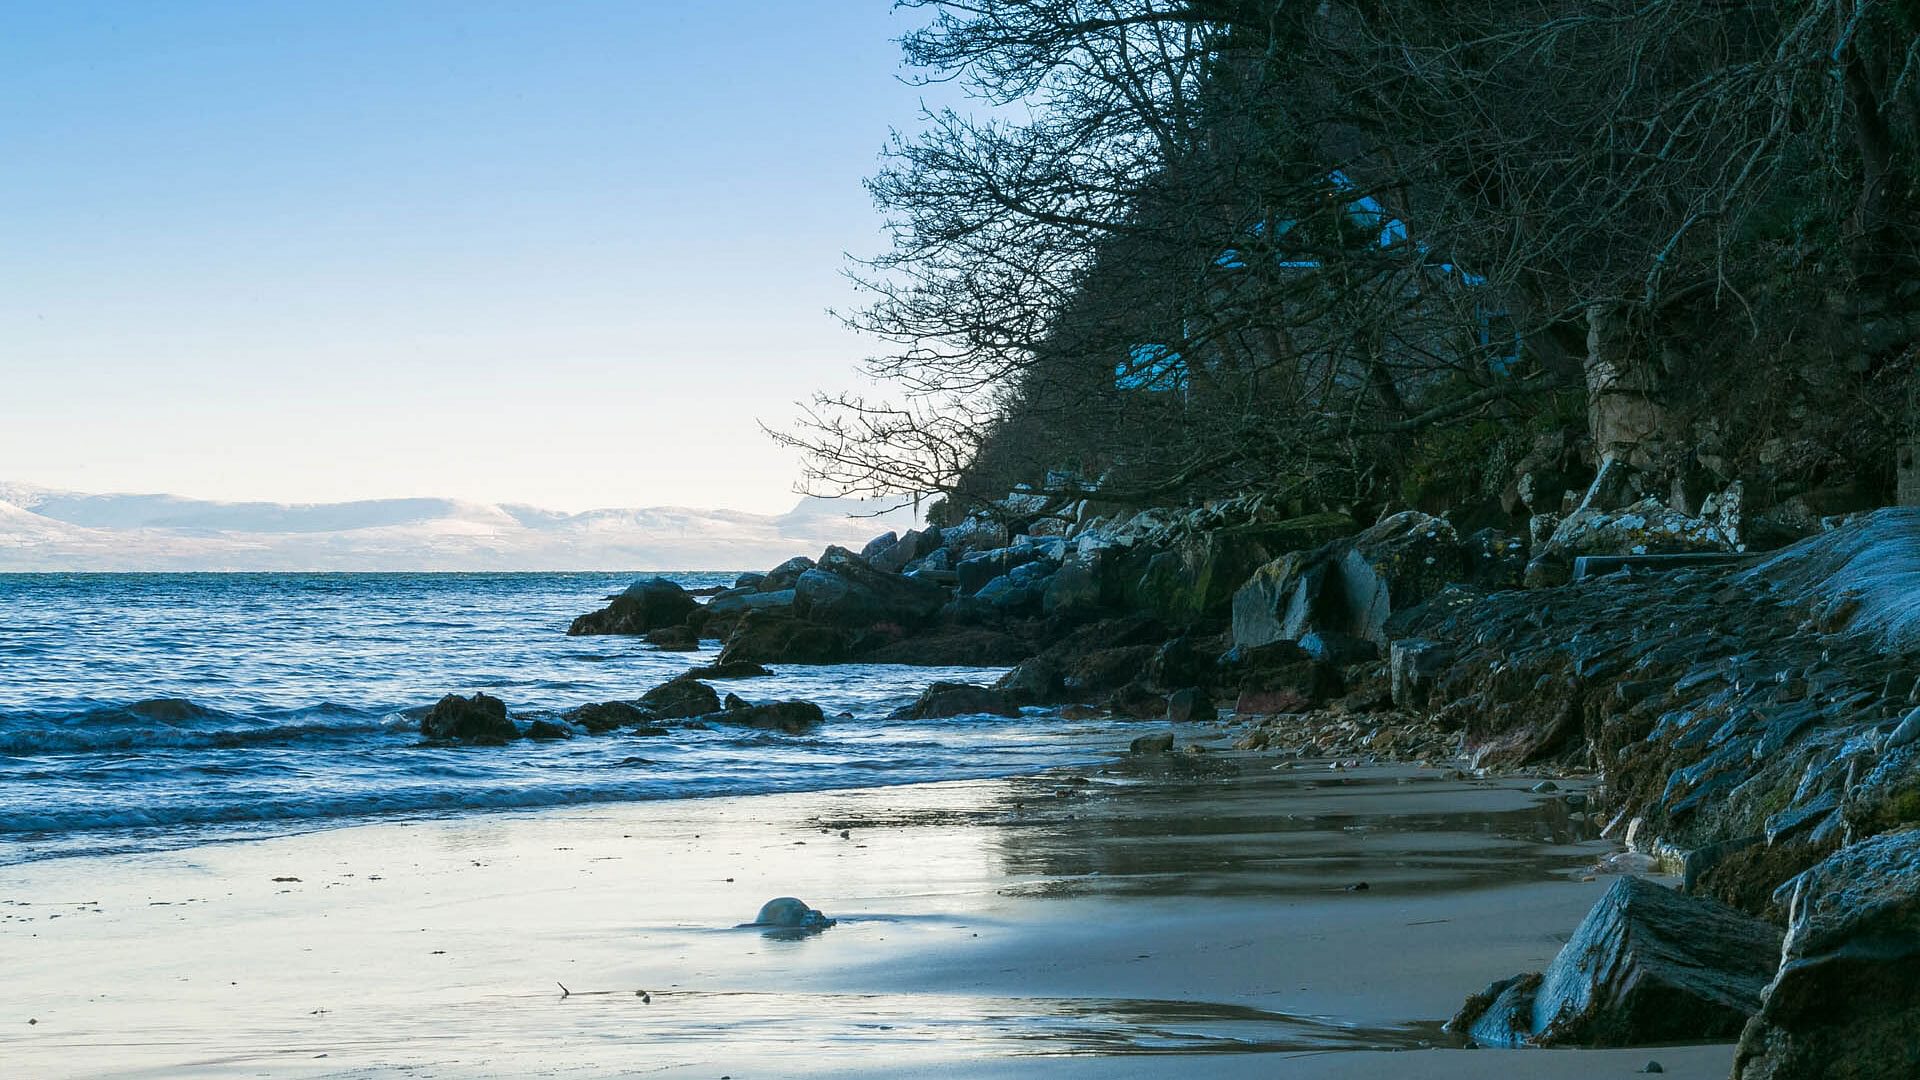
{"x":1173,"y":916}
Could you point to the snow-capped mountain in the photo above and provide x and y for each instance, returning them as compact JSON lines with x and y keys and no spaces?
{"x":47,"y":530}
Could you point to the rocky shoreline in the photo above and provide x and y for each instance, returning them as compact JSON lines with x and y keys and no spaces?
{"x":1754,"y":727}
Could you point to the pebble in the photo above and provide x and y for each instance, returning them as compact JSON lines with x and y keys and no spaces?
{"x":1653,"y":1067}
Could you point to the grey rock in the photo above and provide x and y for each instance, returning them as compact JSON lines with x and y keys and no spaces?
{"x":680,"y":698}
{"x":740,"y":601}
{"x":786,"y":574}
{"x":1412,"y":666}
{"x":548,"y":730}
{"x":939,"y":560}
{"x":1074,"y":587}
{"x":646,"y":605}
{"x":674,"y":639}
{"x":910,"y":548}
{"x":1647,"y":965}
{"x":976,"y":570}
{"x":1152,"y":744}
{"x":1277,"y":602}
{"x":790,"y":914}
{"x":1845,"y":1001}
{"x":791,"y":717}
{"x":779,"y":637}
{"x":947,"y":699}
{"x":1338,"y":649}
{"x":1350,"y":587}
{"x":1906,"y":731}
{"x":606,"y":716}
{"x":879,"y":544}
{"x":973,"y":534}
{"x":843,"y":591}
{"x":1191,"y":705}
{"x":477,"y":719}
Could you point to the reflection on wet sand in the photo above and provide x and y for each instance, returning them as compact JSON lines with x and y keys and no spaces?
{"x":1252,"y":831}
{"x":1016,"y":1025}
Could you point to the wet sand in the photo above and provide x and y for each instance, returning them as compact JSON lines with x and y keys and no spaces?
{"x":1109,"y":925}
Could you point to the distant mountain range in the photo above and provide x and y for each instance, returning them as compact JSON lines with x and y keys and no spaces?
{"x":47,"y":530}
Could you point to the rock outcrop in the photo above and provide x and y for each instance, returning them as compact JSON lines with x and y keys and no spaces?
{"x":948,"y":699}
{"x":770,"y":637}
{"x":652,"y":604}
{"x":1647,"y":965}
{"x":602,"y":717}
{"x":791,"y":717}
{"x":477,"y":719}
{"x":680,"y":698}
{"x":1846,"y":999}
{"x":1350,"y":588}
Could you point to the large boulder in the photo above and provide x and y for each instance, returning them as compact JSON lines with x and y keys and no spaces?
{"x":1846,"y":1000}
{"x":1020,"y":590}
{"x":1075,"y":587}
{"x":842,"y":590}
{"x":973,"y":534}
{"x":1350,"y":587}
{"x":945,"y":699}
{"x":1088,"y":663}
{"x":674,"y":639}
{"x":646,"y":605}
{"x":791,"y":717}
{"x":679,"y":698}
{"x":604,"y":716}
{"x":1647,"y":965}
{"x":1275,"y":678}
{"x":739,"y":601}
{"x":953,"y":646}
{"x":477,"y":719}
{"x":777,"y":637}
{"x":1277,"y":602}
{"x":916,"y":544}
{"x":1191,"y":705}
{"x":879,"y":544}
{"x":543,"y":729}
{"x":1196,"y":578}
{"x":785,"y":575}
{"x":975,"y":571}
{"x":1646,"y":527}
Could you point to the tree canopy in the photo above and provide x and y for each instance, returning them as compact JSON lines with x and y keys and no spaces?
{"x":1184,"y":247}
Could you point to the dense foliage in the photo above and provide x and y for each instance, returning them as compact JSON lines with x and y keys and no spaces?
{"x":1357,"y":253}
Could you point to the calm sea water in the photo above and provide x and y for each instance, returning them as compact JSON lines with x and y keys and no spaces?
{"x":141,"y":711}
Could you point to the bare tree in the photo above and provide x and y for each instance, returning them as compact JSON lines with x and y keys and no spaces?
{"x":1189,"y":247}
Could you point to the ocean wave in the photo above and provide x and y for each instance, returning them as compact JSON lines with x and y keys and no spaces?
{"x":178,"y":723}
{"x":418,"y":799}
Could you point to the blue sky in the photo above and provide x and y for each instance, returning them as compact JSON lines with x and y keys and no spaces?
{"x":564,"y":253}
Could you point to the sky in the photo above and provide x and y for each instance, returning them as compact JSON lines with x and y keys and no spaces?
{"x":562,"y":253}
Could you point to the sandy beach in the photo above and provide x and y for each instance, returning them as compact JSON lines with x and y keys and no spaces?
{"x":1105,"y":924}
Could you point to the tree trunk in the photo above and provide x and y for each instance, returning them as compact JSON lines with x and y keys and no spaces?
{"x":1624,"y":413}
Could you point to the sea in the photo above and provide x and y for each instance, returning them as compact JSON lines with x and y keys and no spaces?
{"x":147,"y":711}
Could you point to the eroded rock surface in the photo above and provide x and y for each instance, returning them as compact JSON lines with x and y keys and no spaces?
{"x":1845,"y":1002}
{"x":481,"y":718}
{"x":652,"y":604}
{"x":1646,"y":966}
